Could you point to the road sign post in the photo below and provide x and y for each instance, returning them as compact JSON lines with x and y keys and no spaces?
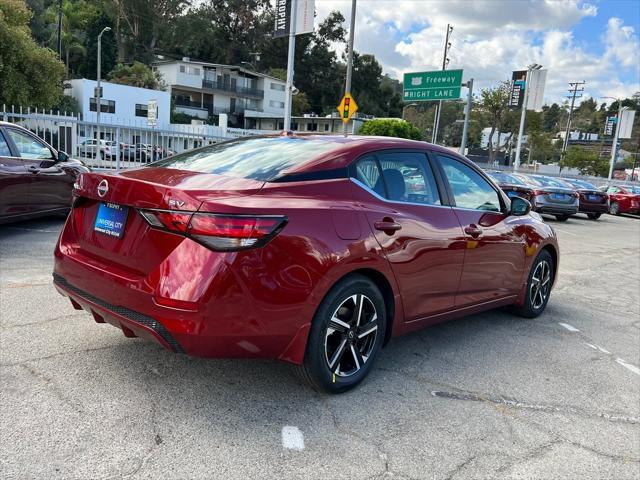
{"x":347,"y":108}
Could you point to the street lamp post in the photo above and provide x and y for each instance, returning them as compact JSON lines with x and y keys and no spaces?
{"x":407,"y":106}
{"x":530,"y":68}
{"x":98,"y":92}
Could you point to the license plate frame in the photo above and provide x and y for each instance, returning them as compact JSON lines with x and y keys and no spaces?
{"x":594,"y":198}
{"x":111,"y":220}
{"x":559,"y":196}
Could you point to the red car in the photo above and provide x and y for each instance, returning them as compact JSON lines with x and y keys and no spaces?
{"x":623,"y":199}
{"x":308,"y":249}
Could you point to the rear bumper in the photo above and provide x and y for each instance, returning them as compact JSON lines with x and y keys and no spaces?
{"x":133,"y":324}
{"x":557,"y":209}
{"x":593,"y":207}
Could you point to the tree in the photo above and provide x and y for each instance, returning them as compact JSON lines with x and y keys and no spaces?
{"x":494,"y":104}
{"x":29,"y":75}
{"x":390,"y":127}
{"x":137,"y":75}
{"x":588,"y":162}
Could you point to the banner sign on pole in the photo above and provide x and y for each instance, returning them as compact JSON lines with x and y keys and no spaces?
{"x":609,"y":124}
{"x":536,"y":84}
{"x":305,"y":13}
{"x":436,"y":85}
{"x":518,"y":82}
{"x":626,"y":123}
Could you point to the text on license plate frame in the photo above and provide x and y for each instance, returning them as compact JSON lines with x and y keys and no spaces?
{"x":111,"y":219}
{"x":558,"y":196}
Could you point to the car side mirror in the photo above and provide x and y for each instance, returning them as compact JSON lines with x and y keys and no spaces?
{"x":520,"y":206}
{"x":62,"y":157}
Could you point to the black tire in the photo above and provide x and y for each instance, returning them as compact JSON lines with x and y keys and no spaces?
{"x":534,"y":304}
{"x":562,"y":218}
{"x":594,"y":216}
{"x":325,"y":342}
{"x":614,"y":208}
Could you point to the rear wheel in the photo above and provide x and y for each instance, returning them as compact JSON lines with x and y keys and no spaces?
{"x":614,"y":208}
{"x":562,"y":218}
{"x":538,"y":286}
{"x":594,"y":216}
{"x":346,"y":336}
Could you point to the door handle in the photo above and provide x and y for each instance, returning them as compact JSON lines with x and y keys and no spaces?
{"x":33,"y":169}
{"x":388,"y":226}
{"x":473,"y":231}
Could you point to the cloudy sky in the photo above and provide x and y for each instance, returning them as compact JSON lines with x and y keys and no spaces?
{"x":596,"y":41}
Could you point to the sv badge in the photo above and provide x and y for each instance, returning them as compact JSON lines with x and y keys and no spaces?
{"x":176,"y":204}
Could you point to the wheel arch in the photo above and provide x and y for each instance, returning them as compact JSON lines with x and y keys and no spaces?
{"x":554,"y":255}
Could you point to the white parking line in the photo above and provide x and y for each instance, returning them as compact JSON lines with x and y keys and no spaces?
{"x":597,"y":347}
{"x":568,"y":327}
{"x":292,"y":438}
{"x":628,"y":366}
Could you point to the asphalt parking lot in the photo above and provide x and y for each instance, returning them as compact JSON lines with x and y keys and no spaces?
{"x":488,"y":396}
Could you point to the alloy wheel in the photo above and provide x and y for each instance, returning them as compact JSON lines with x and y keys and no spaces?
{"x":351,"y":335}
{"x":540,"y":284}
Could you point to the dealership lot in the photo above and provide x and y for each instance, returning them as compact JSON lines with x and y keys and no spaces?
{"x":488,"y":396}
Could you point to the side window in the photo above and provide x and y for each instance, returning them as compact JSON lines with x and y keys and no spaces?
{"x":612,"y":190}
{"x":408,"y":178}
{"x":4,"y":148}
{"x":368,"y":173}
{"x":470,"y":189}
{"x":28,"y":146}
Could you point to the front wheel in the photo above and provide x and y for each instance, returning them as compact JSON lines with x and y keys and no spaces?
{"x":614,"y":208}
{"x":562,"y":218}
{"x":346,"y":336}
{"x":538,"y":286}
{"x":593,"y":216}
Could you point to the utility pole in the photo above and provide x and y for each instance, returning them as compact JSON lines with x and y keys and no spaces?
{"x":527,"y":85}
{"x":291,"y":58}
{"x":347,"y":85}
{"x":575,"y":88}
{"x":60,"y":29}
{"x":98,"y":92}
{"x":445,"y":62}
{"x":467,"y":119}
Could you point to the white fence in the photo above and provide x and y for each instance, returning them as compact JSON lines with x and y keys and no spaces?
{"x":121,"y":145}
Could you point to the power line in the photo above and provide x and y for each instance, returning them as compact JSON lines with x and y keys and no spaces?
{"x":575,"y":88}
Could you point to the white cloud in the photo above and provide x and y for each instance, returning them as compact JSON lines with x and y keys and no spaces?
{"x":491,"y":38}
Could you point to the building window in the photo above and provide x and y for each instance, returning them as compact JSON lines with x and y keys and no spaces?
{"x":276,"y":104}
{"x":141,"y":110}
{"x":190,"y":70}
{"x":326,"y":127}
{"x":277,"y":86}
{"x":106,"y":106}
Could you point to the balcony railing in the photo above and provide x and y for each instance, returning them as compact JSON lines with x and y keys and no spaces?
{"x":231,"y":88}
{"x":237,"y":110}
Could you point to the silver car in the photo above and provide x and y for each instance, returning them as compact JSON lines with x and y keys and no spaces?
{"x":552,"y":197}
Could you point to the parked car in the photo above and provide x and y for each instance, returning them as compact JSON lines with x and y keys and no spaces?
{"x":623,"y":199}
{"x":128,"y":152}
{"x":35,"y":179}
{"x":592,"y":201}
{"x":90,"y":148}
{"x":308,"y":249}
{"x":552,"y":197}
{"x":146,"y":152}
{"x":513,"y":185}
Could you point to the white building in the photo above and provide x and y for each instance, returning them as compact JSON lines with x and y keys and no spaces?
{"x":121,"y":104}
{"x":203,"y":89}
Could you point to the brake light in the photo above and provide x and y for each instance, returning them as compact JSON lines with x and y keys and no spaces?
{"x":540,"y":192}
{"x":218,"y":232}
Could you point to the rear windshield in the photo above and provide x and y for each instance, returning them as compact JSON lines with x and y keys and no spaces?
{"x":506,"y":178}
{"x":550,"y":182}
{"x":261,"y":159}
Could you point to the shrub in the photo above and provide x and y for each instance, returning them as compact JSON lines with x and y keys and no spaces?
{"x":391,"y":128}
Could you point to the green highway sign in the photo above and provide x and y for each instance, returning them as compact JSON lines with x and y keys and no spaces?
{"x":438,"y":85}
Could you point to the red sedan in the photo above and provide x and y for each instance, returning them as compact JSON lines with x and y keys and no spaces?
{"x":310,"y":249}
{"x":623,"y":199}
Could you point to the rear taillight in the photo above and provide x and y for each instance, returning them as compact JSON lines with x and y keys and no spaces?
{"x":218,"y":232}
{"x":540,"y":192}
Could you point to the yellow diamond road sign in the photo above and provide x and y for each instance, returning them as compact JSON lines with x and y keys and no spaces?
{"x":347,"y":107}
